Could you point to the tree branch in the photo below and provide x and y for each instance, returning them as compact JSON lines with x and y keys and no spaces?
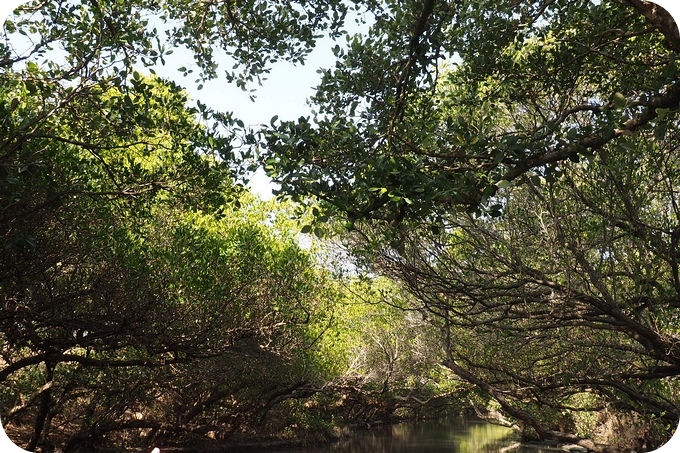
{"x":669,"y":99}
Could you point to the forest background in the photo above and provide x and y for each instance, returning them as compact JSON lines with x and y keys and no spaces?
{"x":490,"y":193}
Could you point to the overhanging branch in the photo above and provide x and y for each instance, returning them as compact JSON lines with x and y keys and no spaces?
{"x":593,"y":142}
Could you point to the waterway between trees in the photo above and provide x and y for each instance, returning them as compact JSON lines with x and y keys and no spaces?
{"x":457,"y":435}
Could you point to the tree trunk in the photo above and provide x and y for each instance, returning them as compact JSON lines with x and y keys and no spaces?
{"x":44,"y":410}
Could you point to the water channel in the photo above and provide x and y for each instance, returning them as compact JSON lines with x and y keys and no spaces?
{"x":443,"y":436}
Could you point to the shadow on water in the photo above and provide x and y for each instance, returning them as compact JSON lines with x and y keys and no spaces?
{"x":451,"y":436}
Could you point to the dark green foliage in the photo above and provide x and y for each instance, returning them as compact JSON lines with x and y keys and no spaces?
{"x":442,"y":103}
{"x":504,"y":162}
{"x":141,"y":302}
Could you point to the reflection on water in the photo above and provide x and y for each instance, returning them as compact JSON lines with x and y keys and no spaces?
{"x":451,"y":436}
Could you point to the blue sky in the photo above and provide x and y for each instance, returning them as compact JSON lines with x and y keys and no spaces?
{"x":284,"y":93}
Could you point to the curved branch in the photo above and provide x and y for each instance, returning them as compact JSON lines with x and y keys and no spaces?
{"x":669,"y":99}
{"x":661,"y":19}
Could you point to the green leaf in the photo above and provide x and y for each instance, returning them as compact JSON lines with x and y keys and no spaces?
{"x":661,"y":113}
{"x":620,"y":100}
{"x":31,"y":87}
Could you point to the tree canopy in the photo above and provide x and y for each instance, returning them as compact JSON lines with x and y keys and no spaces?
{"x":442,"y":103}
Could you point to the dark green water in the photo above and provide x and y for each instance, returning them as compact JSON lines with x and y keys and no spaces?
{"x":450,"y":436}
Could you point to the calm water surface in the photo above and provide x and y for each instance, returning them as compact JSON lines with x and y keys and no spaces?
{"x":450,"y":436}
